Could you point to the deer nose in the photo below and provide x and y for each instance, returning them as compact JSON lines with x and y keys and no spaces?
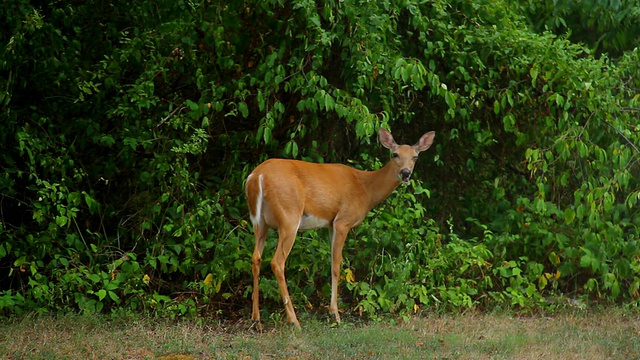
{"x":405,"y":174}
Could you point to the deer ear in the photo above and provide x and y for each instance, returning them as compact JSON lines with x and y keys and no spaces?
{"x":425,"y":141}
{"x":386,"y":139}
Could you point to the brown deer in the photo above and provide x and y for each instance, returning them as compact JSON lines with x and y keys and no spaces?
{"x":292,"y":196}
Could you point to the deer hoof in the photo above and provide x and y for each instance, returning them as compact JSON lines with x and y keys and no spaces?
{"x":335,"y":319}
{"x":256,"y":325}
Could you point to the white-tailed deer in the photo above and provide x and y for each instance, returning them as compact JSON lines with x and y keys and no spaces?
{"x":292,"y":196}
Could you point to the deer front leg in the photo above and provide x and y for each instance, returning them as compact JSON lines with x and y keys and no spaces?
{"x":338,"y":237}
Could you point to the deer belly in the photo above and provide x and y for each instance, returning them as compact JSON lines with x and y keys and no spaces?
{"x":310,"y":222}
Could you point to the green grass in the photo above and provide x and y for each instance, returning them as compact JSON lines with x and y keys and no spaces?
{"x":602,"y":334}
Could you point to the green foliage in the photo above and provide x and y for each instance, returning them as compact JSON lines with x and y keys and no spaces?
{"x":606,"y":26}
{"x":128,"y":129}
{"x":429,"y":270}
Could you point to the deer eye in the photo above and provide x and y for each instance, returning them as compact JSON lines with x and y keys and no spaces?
{"x":395,"y":155}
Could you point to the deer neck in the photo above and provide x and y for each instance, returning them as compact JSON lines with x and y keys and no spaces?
{"x":381,"y":183}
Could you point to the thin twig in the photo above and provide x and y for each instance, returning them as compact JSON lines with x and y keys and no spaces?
{"x":635,"y":148}
{"x":180,"y":108}
{"x":585,"y":126}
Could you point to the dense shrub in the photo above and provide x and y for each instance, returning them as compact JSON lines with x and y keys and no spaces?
{"x":128,"y":129}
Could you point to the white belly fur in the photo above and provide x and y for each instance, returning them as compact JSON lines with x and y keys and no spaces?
{"x":310,"y":222}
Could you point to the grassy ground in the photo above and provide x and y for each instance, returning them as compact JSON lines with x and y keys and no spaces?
{"x":603,"y":334}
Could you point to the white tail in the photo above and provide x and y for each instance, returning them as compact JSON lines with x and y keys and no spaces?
{"x":291,"y":196}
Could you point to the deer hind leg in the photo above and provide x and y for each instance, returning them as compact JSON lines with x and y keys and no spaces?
{"x":286,"y":238}
{"x":260,"y":230}
{"x":338,"y":236}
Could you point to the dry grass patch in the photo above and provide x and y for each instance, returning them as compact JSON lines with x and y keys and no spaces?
{"x":85,"y":337}
{"x":610,"y":334}
{"x":585,"y":335}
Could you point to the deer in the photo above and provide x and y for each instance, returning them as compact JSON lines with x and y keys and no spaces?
{"x":292,"y":195}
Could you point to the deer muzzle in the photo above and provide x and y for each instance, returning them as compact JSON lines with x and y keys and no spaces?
{"x":405,"y":175}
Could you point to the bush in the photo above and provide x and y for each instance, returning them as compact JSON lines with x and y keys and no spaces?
{"x":128,"y":129}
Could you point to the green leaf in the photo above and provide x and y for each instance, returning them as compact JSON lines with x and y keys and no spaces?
{"x":61,"y":220}
{"x":192,"y":105}
{"x":449,"y":98}
{"x":569,"y":216}
{"x":244,"y":110}
{"x":63,"y":261}
{"x":92,"y":204}
{"x":533,"y":72}
{"x":267,"y":135}
{"x":107,"y":140}
{"x":615,"y":289}
{"x":585,"y":261}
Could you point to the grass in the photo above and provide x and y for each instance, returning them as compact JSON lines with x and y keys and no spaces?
{"x":602,"y":334}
